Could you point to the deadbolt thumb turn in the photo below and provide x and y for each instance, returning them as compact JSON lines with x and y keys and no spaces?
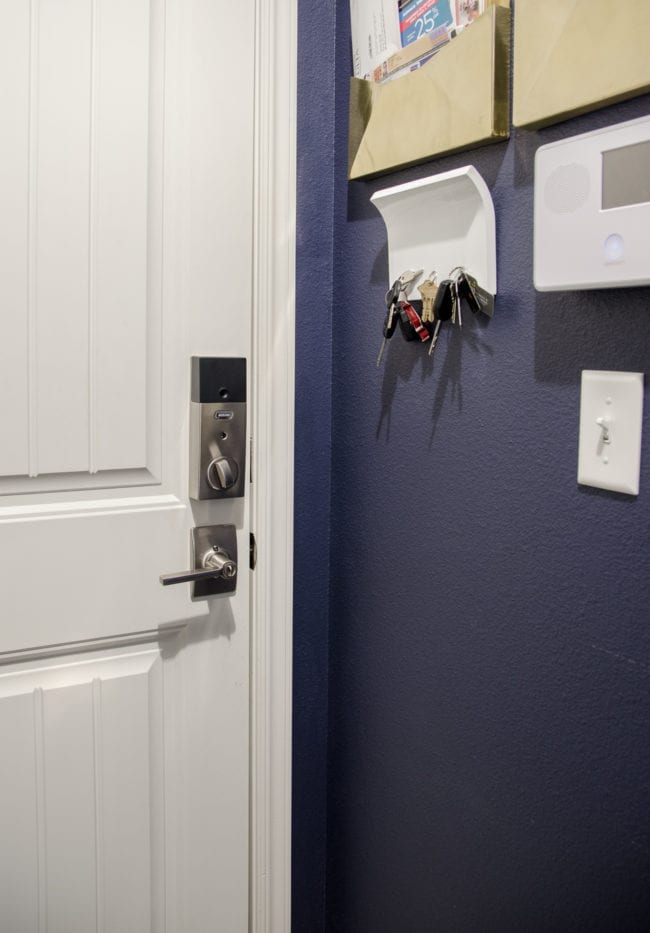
{"x":214,"y":558}
{"x":222,"y":474}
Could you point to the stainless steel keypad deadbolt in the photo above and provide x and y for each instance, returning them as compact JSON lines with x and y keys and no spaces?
{"x":218,"y":428}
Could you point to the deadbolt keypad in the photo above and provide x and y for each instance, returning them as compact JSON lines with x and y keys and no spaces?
{"x":218,"y":428}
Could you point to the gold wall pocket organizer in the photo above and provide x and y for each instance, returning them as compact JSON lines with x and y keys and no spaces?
{"x":458,"y":100}
{"x":573,"y":56}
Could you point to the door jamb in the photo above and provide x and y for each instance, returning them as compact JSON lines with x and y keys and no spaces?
{"x":272,"y":461}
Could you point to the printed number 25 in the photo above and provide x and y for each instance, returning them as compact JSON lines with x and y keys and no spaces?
{"x":427,"y":22}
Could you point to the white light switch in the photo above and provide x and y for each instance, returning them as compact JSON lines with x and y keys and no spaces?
{"x":611,"y":417}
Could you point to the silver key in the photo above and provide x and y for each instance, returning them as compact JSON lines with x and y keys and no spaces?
{"x":388,"y":332}
{"x":381,"y":350}
{"x":434,"y":339}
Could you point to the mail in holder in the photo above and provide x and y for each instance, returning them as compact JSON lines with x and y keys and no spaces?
{"x":458,"y":100}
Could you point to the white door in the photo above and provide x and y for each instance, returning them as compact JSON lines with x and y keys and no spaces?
{"x":126,"y":161}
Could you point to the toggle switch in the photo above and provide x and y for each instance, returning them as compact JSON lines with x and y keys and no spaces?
{"x":611,"y":419}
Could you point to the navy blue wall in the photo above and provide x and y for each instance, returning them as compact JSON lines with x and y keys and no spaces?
{"x":314,"y":298}
{"x":489,"y":629}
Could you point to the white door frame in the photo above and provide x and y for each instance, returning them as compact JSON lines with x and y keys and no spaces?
{"x":272,"y":460}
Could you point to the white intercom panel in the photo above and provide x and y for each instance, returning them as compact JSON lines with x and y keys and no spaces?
{"x":592,"y":209}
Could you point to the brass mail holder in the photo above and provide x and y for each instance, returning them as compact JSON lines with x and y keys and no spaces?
{"x":573,"y":56}
{"x":459,"y":100}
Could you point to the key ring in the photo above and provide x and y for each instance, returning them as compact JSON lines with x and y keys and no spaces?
{"x":403,"y":283}
{"x":407,"y":280}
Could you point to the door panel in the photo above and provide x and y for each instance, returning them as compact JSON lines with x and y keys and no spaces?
{"x":86,"y":261}
{"x":14,"y":195}
{"x":77,"y":800}
{"x":125,"y":247}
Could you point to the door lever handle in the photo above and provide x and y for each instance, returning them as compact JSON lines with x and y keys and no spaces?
{"x":215,"y":564}
{"x":213,"y":557}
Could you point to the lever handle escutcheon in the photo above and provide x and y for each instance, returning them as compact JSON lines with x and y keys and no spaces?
{"x":213,"y":557}
{"x":215,"y":564}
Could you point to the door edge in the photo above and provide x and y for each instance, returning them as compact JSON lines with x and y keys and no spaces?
{"x":273,"y":378}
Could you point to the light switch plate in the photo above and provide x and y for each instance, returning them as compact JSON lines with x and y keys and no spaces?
{"x":611,"y":418}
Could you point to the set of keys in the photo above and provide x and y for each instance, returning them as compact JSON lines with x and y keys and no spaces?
{"x":440,"y":302}
{"x":399,"y":309}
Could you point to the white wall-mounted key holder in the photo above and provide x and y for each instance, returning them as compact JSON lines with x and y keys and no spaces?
{"x":611,"y":418}
{"x":439,"y":223}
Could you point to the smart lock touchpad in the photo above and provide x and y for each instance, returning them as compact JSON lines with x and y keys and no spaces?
{"x":218,"y":428}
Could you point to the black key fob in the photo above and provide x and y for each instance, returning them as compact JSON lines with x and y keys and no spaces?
{"x":390,"y":323}
{"x":443,"y":306}
{"x":475,"y":296}
{"x":485,"y":300}
{"x":466,"y":287}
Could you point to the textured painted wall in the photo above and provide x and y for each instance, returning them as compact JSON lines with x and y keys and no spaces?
{"x":314,"y":288}
{"x":489,"y":667}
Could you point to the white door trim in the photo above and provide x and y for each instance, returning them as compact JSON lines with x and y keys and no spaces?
{"x":272,"y":462}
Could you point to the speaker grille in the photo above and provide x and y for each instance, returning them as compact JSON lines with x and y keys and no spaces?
{"x":567,"y":188}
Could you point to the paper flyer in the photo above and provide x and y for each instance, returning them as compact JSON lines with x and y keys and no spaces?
{"x":421,"y":16}
{"x":375,"y":33}
{"x":417,"y":51}
{"x":468,"y":10}
{"x":383,"y":28}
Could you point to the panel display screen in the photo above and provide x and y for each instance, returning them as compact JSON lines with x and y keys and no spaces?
{"x":626,"y":176}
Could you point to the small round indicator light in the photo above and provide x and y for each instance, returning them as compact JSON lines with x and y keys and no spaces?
{"x":614,"y":247}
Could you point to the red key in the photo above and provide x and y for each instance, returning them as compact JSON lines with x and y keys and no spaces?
{"x":416,"y":322}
